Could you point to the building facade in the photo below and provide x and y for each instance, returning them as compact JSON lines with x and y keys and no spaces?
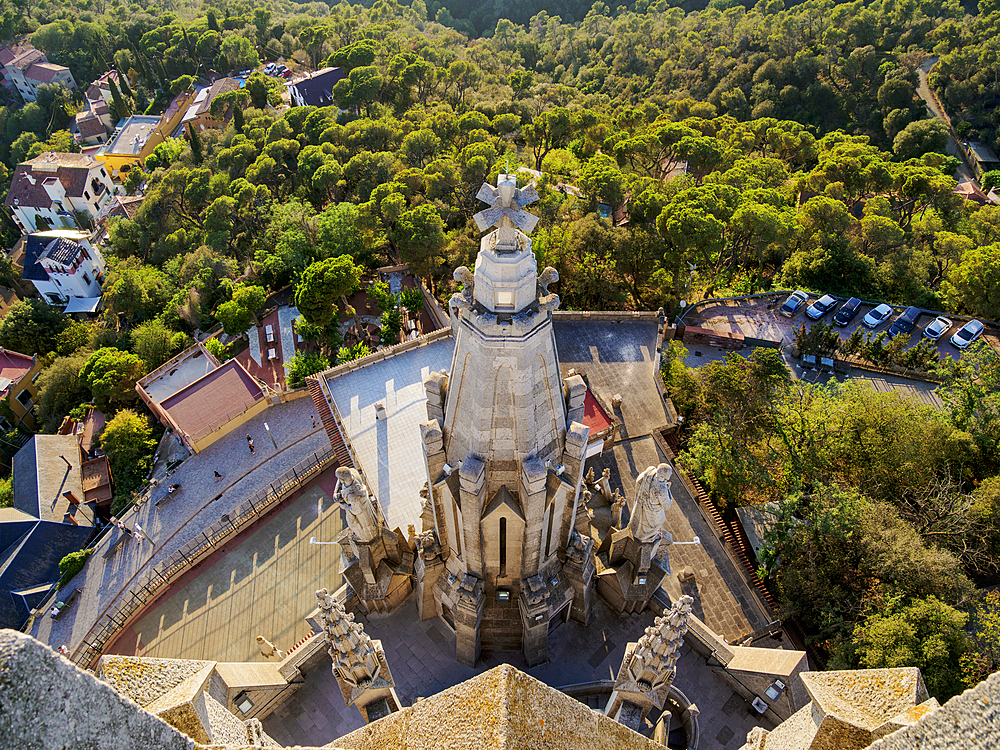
{"x":316,"y":89}
{"x":63,"y":265}
{"x":53,"y":190}
{"x":26,"y":68}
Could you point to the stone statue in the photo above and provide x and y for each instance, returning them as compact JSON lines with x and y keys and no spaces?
{"x":617,"y":507}
{"x":353,"y":498}
{"x":268,"y":649}
{"x":652,"y":498}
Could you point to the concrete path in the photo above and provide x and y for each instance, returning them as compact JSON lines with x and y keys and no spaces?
{"x":105,"y":581}
{"x":963,"y":173}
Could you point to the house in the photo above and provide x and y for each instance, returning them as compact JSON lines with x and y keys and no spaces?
{"x":63,"y":265}
{"x":316,"y":89}
{"x":983,"y":158}
{"x":200,"y":398}
{"x":101,"y":88}
{"x":135,"y":137}
{"x":7,"y":299}
{"x":53,"y":190}
{"x":18,"y":373}
{"x":26,"y":68}
{"x":199,"y":114}
{"x":94,"y":122}
{"x":48,"y":520}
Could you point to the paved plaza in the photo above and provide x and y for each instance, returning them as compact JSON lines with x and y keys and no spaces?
{"x":421,"y":656}
{"x":261,"y":583}
{"x":105,"y":580}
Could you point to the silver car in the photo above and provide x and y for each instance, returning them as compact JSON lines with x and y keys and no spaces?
{"x":877,"y":316}
{"x":968,"y":333}
{"x":937,"y":328}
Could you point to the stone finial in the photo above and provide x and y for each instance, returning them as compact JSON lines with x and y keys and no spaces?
{"x":652,"y":664}
{"x":356,"y":661}
{"x":548,"y":276}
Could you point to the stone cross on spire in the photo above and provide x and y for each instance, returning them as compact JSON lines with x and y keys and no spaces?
{"x":506,"y":201}
{"x":358,"y":662}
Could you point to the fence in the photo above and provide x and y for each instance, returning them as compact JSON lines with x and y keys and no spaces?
{"x":158,"y":577}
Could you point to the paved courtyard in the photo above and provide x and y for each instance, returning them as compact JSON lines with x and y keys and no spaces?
{"x":261,"y":583}
{"x":421,"y":657}
{"x":105,"y":580}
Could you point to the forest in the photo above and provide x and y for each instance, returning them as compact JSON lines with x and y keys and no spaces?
{"x":680,"y":151}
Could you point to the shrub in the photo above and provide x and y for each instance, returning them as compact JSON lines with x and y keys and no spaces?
{"x":72,"y":564}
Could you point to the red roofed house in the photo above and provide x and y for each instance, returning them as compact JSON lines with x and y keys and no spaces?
{"x":51,"y":188}
{"x":18,"y":373}
{"x":94,"y":123}
{"x":200,"y":398}
{"x":27,"y":69}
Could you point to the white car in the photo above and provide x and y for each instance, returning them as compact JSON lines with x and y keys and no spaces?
{"x":877,"y":316}
{"x":968,"y":333}
{"x":937,"y":328}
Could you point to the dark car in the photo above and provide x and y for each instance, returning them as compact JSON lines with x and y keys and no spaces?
{"x":847,"y":312}
{"x":793,"y":304}
{"x":821,"y":307}
{"x":905,"y":322}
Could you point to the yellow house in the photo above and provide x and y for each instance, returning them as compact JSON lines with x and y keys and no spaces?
{"x":18,"y":373}
{"x":136,"y":137}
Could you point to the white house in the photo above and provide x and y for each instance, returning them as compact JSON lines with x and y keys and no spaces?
{"x":62,"y":264}
{"x":48,"y":191}
{"x":27,"y":69}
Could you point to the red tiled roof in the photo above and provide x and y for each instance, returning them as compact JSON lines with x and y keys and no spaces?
{"x":73,"y":171}
{"x":593,"y":415}
{"x":13,"y":366}
{"x":43,"y":72}
{"x":90,"y":125}
{"x":213,"y":399}
{"x":23,"y":193}
{"x":25,"y":59}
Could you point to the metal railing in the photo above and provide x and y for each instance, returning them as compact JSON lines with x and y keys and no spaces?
{"x":143,"y":590}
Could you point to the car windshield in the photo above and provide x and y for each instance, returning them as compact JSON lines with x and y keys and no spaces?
{"x":965,"y":334}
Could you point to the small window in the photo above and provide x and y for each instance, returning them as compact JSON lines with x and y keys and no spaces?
{"x":24,"y":398}
{"x":86,"y":195}
{"x":505,"y":299}
{"x":86,"y":280}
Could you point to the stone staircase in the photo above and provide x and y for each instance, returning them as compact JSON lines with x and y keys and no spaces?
{"x":329,"y":423}
{"x":501,"y":628}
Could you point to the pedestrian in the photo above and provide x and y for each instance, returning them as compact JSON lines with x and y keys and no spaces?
{"x":63,"y":650}
{"x":250,"y":444}
{"x":218,"y":476}
{"x":314,"y":421}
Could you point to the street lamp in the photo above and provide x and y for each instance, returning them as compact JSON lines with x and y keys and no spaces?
{"x":270,"y":436}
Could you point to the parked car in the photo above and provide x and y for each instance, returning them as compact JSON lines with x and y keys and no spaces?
{"x":280,"y":69}
{"x":937,"y":328}
{"x":877,"y":316}
{"x":793,"y":304}
{"x":244,"y":73}
{"x":821,"y":307}
{"x":270,"y":68}
{"x":905,"y":322}
{"x":286,"y":74}
{"x":847,"y":312}
{"x":968,"y":333}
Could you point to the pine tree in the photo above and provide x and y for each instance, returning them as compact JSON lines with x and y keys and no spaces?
{"x":126,"y":89}
{"x":197,"y":148}
{"x":238,"y":121}
{"x":121,"y":106}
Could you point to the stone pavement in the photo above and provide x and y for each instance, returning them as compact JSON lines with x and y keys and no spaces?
{"x":199,"y":504}
{"x":421,"y":657}
{"x":260,"y":583}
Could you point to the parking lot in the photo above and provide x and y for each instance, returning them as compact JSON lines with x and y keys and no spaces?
{"x":759,"y":318}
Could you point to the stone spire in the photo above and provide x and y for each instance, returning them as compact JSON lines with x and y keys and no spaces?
{"x":504,"y":460}
{"x":649,"y":666}
{"x":359,"y":663}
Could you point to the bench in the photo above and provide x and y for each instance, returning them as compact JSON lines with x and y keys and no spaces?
{"x":61,"y":605}
{"x":122,"y":536}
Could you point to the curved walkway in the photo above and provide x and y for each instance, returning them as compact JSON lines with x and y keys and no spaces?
{"x":104,"y":581}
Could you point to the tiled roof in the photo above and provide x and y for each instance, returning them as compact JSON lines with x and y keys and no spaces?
{"x":44,"y":469}
{"x":61,"y":250}
{"x":13,"y":366}
{"x":43,"y":72}
{"x":73,"y":171}
{"x":317,"y":89}
{"x":90,"y":125}
{"x":212,"y":400}
{"x":125,"y":205}
{"x":26,"y":59}
{"x":33,"y":247}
